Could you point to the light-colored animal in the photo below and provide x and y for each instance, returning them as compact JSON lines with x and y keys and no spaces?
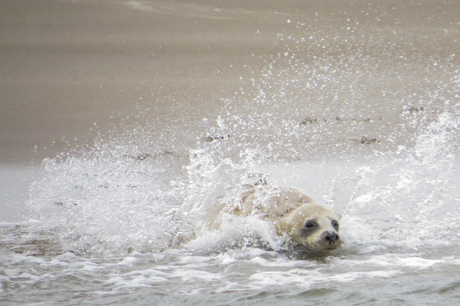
{"x":293,"y":213}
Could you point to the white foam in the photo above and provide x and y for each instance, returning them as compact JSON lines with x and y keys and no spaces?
{"x":129,"y":260}
{"x":305,"y":278}
{"x":394,"y":261}
{"x":283,"y":262}
{"x":352,"y":276}
{"x":192,"y":275}
{"x":297,"y":278}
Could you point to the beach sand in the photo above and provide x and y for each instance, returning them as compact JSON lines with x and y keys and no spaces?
{"x":68,"y":67}
{"x":71,"y":68}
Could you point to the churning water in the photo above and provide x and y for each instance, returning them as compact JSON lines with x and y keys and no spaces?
{"x":365,"y":121}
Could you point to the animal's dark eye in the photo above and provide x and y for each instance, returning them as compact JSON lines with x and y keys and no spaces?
{"x":335,"y":224}
{"x":310,"y":227}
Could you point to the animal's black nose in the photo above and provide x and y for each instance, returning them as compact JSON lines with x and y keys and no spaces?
{"x":330,"y":237}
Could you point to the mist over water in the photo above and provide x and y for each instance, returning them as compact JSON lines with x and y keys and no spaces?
{"x":364,"y":120}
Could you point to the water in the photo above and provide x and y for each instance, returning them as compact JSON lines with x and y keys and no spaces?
{"x":364,"y":119}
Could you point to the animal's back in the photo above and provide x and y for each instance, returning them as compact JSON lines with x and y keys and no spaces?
{"x":271,"y":201}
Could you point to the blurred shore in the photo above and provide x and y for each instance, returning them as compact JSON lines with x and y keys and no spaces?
{"x":72,"y":69}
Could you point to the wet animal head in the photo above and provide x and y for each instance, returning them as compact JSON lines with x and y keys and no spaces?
{"x":313,"y":226}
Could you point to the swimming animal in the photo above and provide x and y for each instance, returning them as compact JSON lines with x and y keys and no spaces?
{"x":293,"y":213}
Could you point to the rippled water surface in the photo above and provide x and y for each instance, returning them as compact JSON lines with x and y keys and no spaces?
{"x":364,"y":119}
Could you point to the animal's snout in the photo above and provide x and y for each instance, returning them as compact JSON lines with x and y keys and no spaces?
{"x":330,"y":237}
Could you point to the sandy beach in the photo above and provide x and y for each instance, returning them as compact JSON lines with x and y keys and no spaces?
{"x":69,"y":67}
{"x":73,"y":69}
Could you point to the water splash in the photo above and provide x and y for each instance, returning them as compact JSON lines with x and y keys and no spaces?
{"x":332,"y":95}
{"x":406,"y":199}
